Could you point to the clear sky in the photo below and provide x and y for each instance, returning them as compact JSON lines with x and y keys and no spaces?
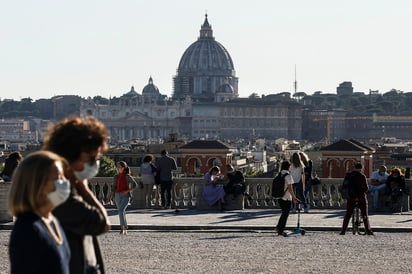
{"x":103,"y":47}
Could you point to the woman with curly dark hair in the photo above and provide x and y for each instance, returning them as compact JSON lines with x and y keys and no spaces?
{"x":81,"y":141}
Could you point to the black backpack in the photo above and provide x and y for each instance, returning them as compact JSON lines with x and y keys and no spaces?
{"x":278,"y":185}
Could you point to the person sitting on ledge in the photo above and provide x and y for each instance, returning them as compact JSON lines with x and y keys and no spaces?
{"x":237,"y":183}
{"x":213,"y":190}
{"x":378,"y":183}
{"x":396,"y":187}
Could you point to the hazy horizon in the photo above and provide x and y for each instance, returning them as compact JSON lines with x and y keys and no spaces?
{"x":91,"y":48}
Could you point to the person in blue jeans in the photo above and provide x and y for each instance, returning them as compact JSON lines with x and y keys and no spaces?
{"x":378,"y":184}
{"x":123,"y":185}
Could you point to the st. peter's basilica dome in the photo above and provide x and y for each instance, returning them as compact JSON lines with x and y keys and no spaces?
{"x":204,"y":67}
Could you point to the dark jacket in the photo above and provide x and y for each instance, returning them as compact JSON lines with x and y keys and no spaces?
{"x":359,"y":184}
{"x":79,"y":219}
{"x":235,"y":179}
{"x":165,"y":165}
{"x":32,"y":249}
{"x":395,"y":183}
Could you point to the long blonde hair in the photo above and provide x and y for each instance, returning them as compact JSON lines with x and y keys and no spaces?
{"x":29,"y":179}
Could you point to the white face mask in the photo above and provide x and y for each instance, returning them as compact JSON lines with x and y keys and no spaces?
{"x":89,"y":171}
{"x":61,"y":193}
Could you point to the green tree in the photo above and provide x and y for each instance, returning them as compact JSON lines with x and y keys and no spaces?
{"x":107,"y":167}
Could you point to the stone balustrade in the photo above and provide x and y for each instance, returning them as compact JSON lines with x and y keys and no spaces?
{"x":186,"y":192}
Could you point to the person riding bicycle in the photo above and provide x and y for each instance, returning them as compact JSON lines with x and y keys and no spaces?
{"x":358,"y":187}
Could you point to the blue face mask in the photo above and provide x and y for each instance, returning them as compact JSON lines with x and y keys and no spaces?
{"x":89,"y":170}
{"x":61,"y":193}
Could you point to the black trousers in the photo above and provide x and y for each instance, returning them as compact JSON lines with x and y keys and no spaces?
{"x":166,"y":193}
{"x":350,"y":206}
{"x":285,"y":207}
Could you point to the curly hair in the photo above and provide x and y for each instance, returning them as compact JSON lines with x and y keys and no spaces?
{"x":73,"y":135}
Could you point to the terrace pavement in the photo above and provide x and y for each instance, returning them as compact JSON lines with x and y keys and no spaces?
{"x":252,"y":219}
{"x":248,"y":220}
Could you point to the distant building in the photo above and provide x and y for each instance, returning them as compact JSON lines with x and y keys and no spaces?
{"x":332,"y":125}
{"x":198,"y":156}
{"x":206,"y":70}
{"x":16,"y":130}
{"x":204,"y":103}
{"x":344,"y":88}
{"x":149,"y":115}
{"x":340,"y":157}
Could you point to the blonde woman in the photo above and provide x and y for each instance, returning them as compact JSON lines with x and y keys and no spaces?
{"x":38,"y":243}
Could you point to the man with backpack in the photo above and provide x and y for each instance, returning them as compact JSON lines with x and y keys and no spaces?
{"x":285,"y":200}
{"x":357,"y":185}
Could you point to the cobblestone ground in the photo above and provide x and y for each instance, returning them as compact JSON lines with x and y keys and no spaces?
{"x":249,"y":252}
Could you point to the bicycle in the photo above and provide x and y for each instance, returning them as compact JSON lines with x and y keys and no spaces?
{"x":358,"y":227}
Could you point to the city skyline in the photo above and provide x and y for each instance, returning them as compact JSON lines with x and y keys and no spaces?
{"x":92,"y":48}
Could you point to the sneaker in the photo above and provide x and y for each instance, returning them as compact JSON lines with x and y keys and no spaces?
{"x":284,"y":234}
{"x":369,"y":232}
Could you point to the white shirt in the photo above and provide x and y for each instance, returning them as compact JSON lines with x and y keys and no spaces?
{"x":288,"y":181}
{"x":296,"y":173}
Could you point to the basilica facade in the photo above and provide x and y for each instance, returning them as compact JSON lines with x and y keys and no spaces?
{"x":205,"y":103}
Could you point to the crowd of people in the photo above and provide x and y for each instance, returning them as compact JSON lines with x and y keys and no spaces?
{"x":58,"y":218}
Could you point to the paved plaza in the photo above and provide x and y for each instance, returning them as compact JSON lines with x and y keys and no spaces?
{"x":191,"y":241}
{"x":254,"y":219}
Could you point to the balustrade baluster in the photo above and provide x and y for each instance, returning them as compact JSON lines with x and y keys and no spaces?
{"x":186,"y":191}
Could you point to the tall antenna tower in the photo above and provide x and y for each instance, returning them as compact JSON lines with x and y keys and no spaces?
{"x":295,"y":83}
